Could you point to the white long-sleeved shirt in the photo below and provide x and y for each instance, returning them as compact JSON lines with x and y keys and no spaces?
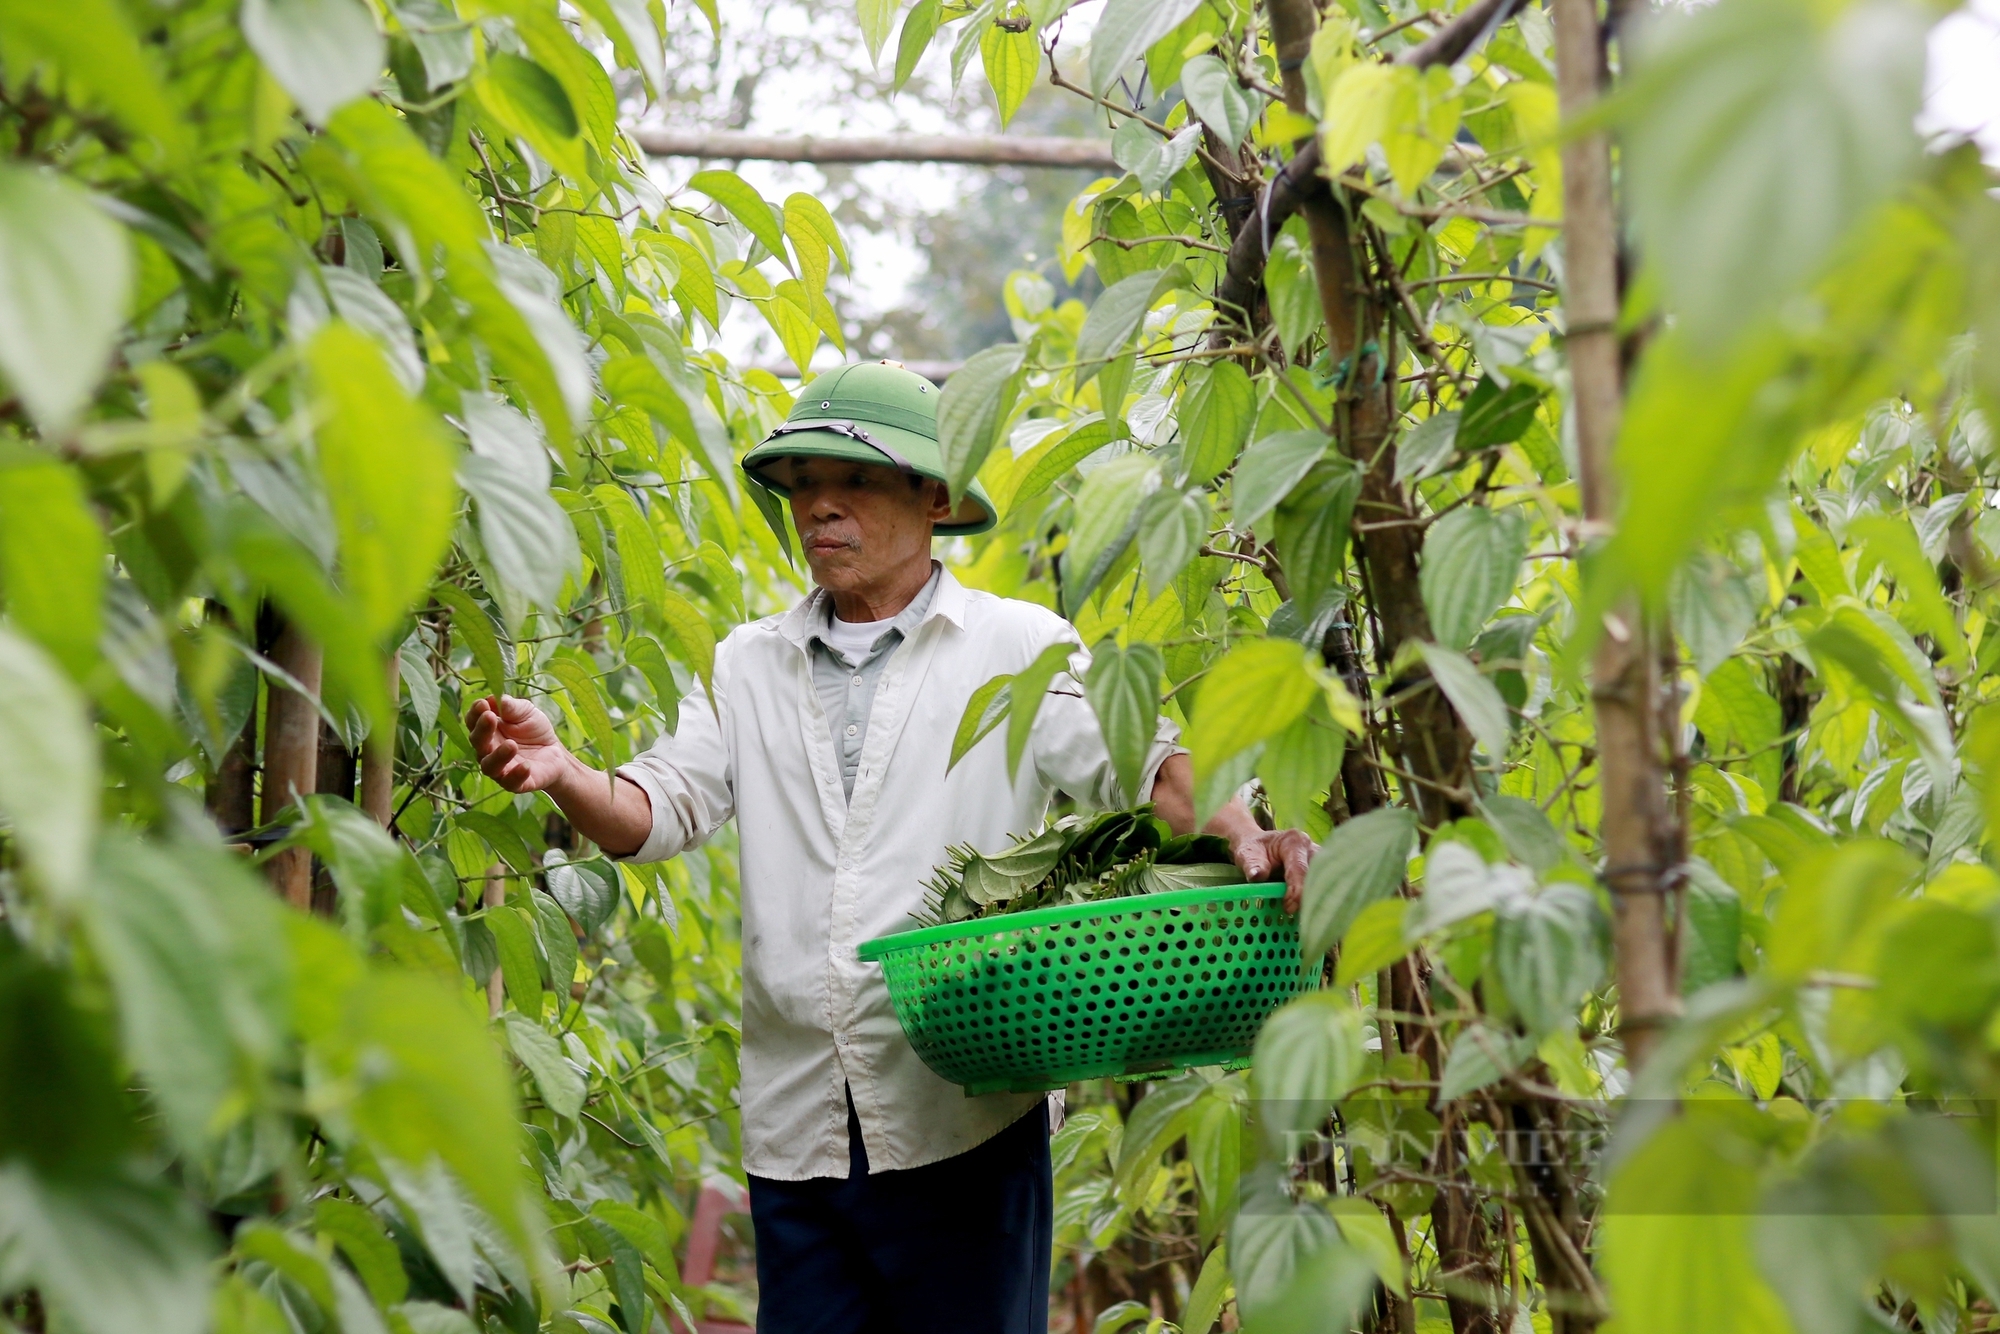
{"x":822,"y":871}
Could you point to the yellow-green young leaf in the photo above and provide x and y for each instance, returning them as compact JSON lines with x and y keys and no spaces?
{"x":877,"y":17}
{"x":65,"y":272}
{"x":1832,"y":901}
{"x":599,"y":239}
{"x":1474,"y":698}
{"x":51,"y":559}
{"x":1819,"y":559}
{"x":388,"y":469}
{"x":1735,"y":705}
{"x":638,"y":549}
{"x":1011,"y":61}
{"x":518,"y":968}
{"x":695,"y":287}
{"x":1363,"y":1226}
{"x":1358,"y":111}
{"x":918,"y":28}
{"x":745,"y":205}
{"x":645,"y":653}
{"x":646,"y":1233}
{"x":691,"y":631}
{"x":1374,"y":941}
{"x":1253,"y":693}
{"x":1209,"y":1294}
{"x":475,"y":629}
{"x":809,"y":246}
{"x":1892,"y":543}
{"x":586,"y":703}
{"x":1125,"y":29}
{"x":411,"y":1070}
{"x":562,"y":1087}
{"x":1160,"y":1118}
{"x":1041,"y":467}
{"x":791,"y":318}
{"x":48,"y":787}
{"x":1025,"y":695}
{"x":290,"y":1256}
{"x":1678,"y":1247}
{"x":803,"y":212}
{"x":1107,"y":519}
{"x":367,"y":1247}
{"x":99,"y":54}
{"x":989,"y":705}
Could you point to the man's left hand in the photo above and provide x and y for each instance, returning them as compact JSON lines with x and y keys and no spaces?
{"x":1268,"y":853}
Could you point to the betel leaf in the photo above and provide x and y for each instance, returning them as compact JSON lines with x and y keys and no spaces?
{"x":561,"y":1084}
{"x":1712,"y":608}
{"x":1492,"y":415}
{"x":558,"y":940}
{"x":1715,"y":915}
{"x":691,"y":631}
{"x":388,"y":471}
{"x":65,"y":269}
{"x":986,"y":710}
{"x":1115,"y":316}
{"x":1311,"y":524}
{"x":1472,"y":560}
{"x":1300,"y":764}
{"x":1025,"y":695}
{"x":531,"y":102}
{"x":918,"y":28}
{"x":1373,"y":942}
{"x":52,"y":560}
{"x":359,"y":1234}
{"x":476,"y":629}
{"x":588,"y":891}
{"x":1159,"y":1119}
{"x":976,"y":400}
{"x":527,"y":536}
{"x":1360,"y":863}
{"x":1216,"y":412}
{"x":1309,"y":1054}
{"x":1125,"y":29}
{"x":519,"y":968}
{"x":1011,"y":61}
{"x":1255,"y":691}
{"x":1172,"y":527}
{"x":1214,"y":95}
{"x":1729,"y":208}
{"x":745,"y":205}
{"x":1123,"y":687}
{"x":48,"y":791}
{"x":877,"y":17}
{"x":1041,"y":467}
{"x":1269,"y":469}
{"x":1428,"y":447}
{"x":1549,"y":950}
{"x":1108,"y":507}
{"x":109,"y":1253}
{"x":586,"y":703}
{"x":639,"y":558}
{"x":1481,"y":1055}
{"x":1477,"y":703}
{"x":325,"y":53}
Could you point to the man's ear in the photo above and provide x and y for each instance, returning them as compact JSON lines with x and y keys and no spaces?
{"x":940,"y":506}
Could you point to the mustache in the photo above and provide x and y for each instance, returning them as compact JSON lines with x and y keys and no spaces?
{"x":828,"y":534}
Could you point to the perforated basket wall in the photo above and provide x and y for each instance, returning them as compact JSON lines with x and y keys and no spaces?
{"x":1141,"y":985}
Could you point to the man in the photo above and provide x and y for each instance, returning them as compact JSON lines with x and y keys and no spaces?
{"x":881,"y":1196}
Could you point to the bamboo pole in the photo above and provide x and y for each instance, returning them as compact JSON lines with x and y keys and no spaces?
{"x":1637,"y":824}
{"x":494,"y":896}
{"x":291,"y":757}
{"x":378,"y":759}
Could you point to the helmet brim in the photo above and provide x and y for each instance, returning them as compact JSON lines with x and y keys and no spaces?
{"x":975,"y":512}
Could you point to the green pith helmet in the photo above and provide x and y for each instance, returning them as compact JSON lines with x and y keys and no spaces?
{"x":869,"y":412}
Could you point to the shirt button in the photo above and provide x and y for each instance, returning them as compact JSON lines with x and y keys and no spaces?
{"x":857,"y":680}
{"x":851,"y":729}
{"x":845,"y":1040}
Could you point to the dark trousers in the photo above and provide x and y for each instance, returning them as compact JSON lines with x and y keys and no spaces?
{"x":961,"y":1245}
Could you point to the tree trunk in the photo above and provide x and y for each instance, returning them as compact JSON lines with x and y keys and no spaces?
{"x":291,"y":757}
{"x":378,"y":759}
{"x":495,"y":895}
{"x":1640,"y":846}
{"x":335,"y":779}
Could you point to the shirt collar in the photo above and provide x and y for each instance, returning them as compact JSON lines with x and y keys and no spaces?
{"x":942,"y":596}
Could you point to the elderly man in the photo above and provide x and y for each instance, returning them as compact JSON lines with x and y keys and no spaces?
{"x":882,"y":1197}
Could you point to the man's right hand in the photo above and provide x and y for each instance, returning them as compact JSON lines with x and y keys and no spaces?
{"x":516,"y":745}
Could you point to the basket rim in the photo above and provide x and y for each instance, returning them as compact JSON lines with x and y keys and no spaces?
{"x":872,"y":951}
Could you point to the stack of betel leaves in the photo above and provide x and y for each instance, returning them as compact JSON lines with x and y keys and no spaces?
{"x":1077,"y":859}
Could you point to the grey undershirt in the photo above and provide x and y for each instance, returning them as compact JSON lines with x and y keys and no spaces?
{"x":847,"y":687}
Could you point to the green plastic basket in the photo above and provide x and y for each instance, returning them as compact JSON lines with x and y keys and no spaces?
{"x":1134,"y":986}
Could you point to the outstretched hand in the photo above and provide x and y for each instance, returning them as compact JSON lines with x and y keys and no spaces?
{"x":1272,"y":853}
{"x":515,"y":744}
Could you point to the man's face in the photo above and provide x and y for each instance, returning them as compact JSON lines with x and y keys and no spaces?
{"x":860,"y":523}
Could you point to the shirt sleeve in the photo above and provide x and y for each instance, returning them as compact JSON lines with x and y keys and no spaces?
{"x":687,"y":777}
{"x":1069,"y":750}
